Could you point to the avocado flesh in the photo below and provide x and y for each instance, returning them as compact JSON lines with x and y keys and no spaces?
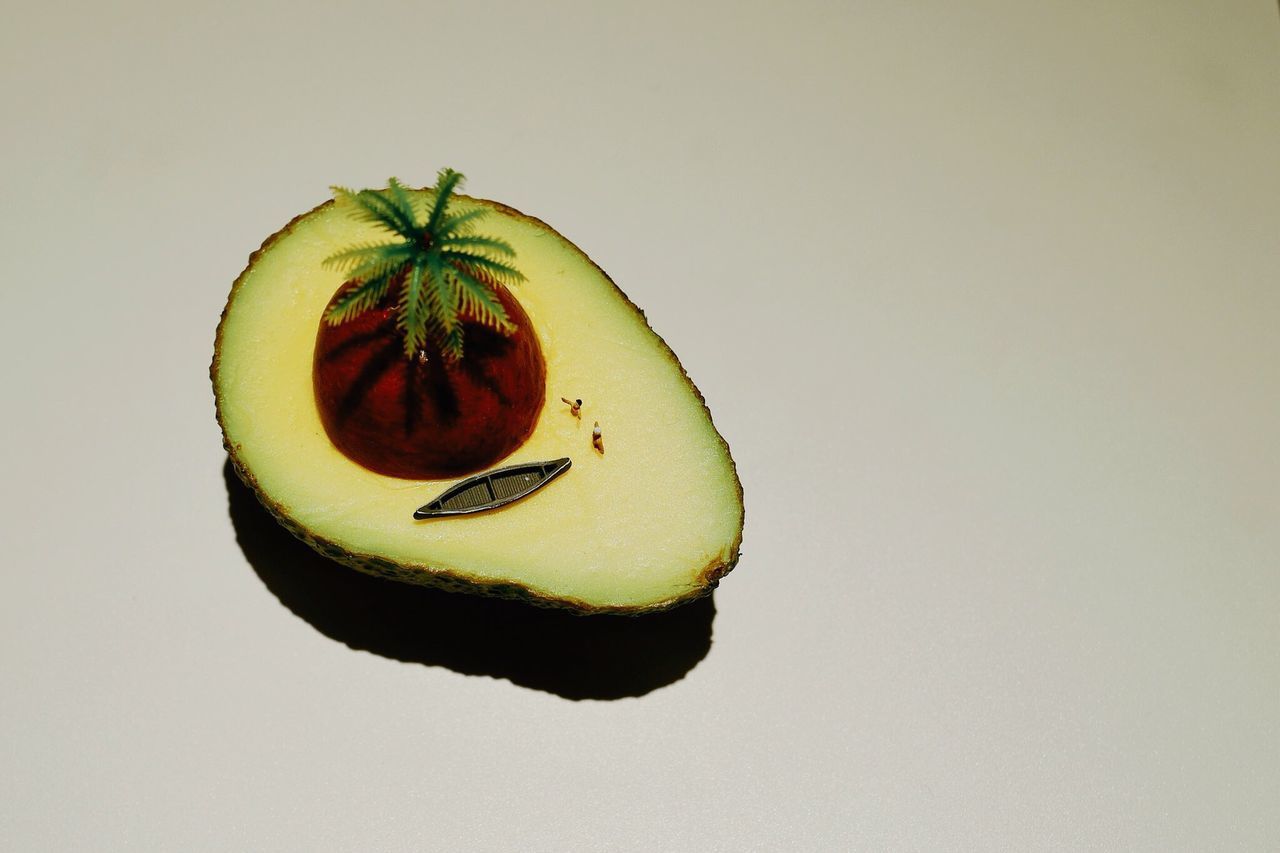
{"x":654,"y":521}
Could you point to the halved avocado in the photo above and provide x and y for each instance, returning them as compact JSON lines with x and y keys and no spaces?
{"x":653,"y":521}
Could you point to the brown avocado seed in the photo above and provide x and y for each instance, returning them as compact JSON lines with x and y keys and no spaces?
{"x":427,"y":417}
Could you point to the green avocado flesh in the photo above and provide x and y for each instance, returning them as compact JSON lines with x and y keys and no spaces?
{"x":653,"y":521}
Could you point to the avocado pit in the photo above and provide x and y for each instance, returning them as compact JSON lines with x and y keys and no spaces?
{"x":428,"y":416}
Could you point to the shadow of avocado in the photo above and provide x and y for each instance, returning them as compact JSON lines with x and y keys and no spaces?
{"x":577,"y":657}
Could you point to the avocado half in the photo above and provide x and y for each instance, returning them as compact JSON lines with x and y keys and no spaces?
{"x":653,"y":521}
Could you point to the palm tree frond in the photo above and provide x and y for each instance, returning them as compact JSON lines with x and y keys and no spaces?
{"x":378,"y":268}
{"x":364,"y":253}
{"x":480,"y":299}
{"x":359,"y":299}
{"x":470,"y":241}
{"x":380,"y":210}
{"x":412,"y":316}
{"x":504,"y":273}
{"x":446,"y":182}
{"x":449,"y":311}
{"x":460,"y":223}
{"x":400,"y":198}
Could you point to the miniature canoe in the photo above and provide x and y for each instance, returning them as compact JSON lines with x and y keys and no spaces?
{"x":493,"y":489}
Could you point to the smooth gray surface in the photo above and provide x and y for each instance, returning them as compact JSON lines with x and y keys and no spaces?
{"x":983,"y":296}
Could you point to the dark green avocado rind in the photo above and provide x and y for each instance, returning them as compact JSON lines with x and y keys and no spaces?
{"x":426,"y":575}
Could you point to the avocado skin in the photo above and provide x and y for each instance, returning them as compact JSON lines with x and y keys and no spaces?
{"x":708,"y":578}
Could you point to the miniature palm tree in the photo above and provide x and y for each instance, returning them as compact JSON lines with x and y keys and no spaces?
{"x":442,"y":271}
{"x":425,"y":364}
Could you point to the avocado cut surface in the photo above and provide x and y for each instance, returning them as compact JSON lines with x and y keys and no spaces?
{"x":655,"y":521}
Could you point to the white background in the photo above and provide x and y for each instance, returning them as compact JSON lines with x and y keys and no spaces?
{"x":984,"y":297}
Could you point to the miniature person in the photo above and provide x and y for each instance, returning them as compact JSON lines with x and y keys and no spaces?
{"x":575,"y":407}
